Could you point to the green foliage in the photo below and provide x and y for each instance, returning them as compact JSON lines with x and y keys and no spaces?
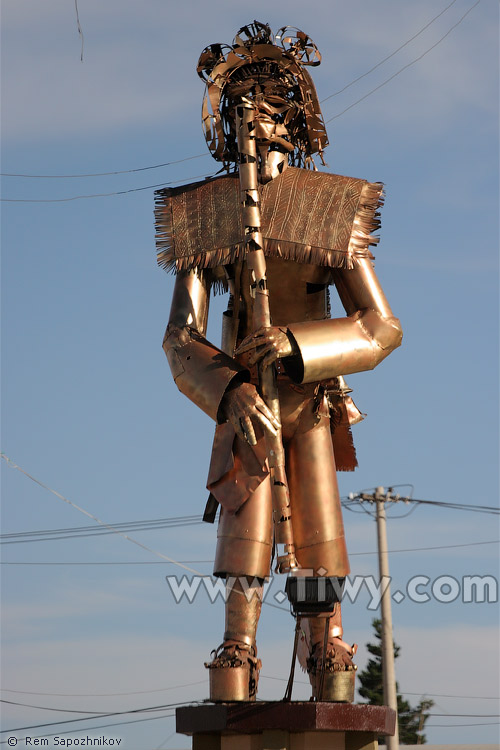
{"x":411,"y":720}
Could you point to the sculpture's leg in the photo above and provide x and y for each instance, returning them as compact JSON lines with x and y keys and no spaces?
{"x":243,"y":557}
{"x":234,"y":671}
{"x":320,"y":547}
{"x":330,"y":666}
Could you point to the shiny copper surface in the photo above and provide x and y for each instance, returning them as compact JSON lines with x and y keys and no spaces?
{"x":277,"y":236}
{"x":343,"y":345}
{"x":245,"y":122}
{"x":306,"y":216}
{"x":244,"y":539}
{"x":231,"y":71}
{"x":316,"y":512}
{"x":200,"y":370}
{"x":230,"y":683}
{"x":243,"y":606}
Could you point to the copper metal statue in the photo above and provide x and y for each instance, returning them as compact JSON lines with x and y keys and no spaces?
{"x":276,"y":233}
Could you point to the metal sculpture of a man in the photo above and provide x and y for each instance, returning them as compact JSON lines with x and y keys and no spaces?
{"x":276,"y":233}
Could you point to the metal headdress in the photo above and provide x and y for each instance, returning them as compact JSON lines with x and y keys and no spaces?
{"x":253,"y":65}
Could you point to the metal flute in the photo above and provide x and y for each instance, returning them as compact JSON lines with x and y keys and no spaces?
{"x":255,"y":259}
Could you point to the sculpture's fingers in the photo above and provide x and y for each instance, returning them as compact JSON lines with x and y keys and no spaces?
{"x":268,"y":359}
{"x":248,"y":430}
{"x":247,"y":345}
{"x":267,"y":418}
{"x":255,"y":339}
{"x":260,"y":352}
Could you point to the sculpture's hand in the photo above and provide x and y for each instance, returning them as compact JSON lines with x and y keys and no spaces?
{"x":242,"y":406}
{"x":267,"y":345}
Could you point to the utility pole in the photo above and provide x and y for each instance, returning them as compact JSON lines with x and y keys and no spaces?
{"x":379,"y":497}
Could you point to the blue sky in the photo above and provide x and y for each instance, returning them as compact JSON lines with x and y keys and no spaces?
{"x":88,"y":403}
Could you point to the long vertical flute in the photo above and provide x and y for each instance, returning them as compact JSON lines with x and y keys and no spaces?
{"x":256,"y":262}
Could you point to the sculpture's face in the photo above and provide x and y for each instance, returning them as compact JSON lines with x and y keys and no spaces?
{"x":272,"y":72}
{"x":276,"y":97}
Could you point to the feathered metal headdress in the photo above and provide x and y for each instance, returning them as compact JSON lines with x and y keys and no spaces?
{"x":255,"y":65}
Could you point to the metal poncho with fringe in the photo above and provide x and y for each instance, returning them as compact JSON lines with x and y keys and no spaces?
{"x":307,"y":216}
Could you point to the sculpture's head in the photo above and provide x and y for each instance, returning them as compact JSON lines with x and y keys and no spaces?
{"x":275,"y":78}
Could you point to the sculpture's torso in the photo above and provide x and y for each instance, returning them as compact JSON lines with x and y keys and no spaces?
{"x":297,"y":292}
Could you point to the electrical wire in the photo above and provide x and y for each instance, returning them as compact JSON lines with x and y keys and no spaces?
{"x":202,"y":682}
{"x":194,"y":562}
{"x":461,"y":506}
{"x":100,"y":726}
{"x":97,"y":520}
{"x":98,"y":716}
{"x":59,"y":710}
{"x":119,"y":562}
{"x":119,"y":533}
{"x":405,"y":67}
{"x":391,"y":516}
{"x":103,"y":695}
{"x":476,"y":724}
{"x":351,"y":504}
{"x":199,"y":156}
{"x":96,"y":530}
{"x":103,"y":195}
{"x":444,"y":695}
{"x":403,"y":692}
{"x":347,"y":86}
{"x":79,"y":28}
{"x":162,"y":744}
{"x":466,"y":716}
{"x":150,"y":187}
{"x":365,"y":496}
{"x":101,"y":174}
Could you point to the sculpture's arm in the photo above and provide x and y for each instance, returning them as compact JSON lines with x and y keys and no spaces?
{"x":322,"y":349}
{"x":214,"y":381}
{"x":201,"y":371}
{"x":327,"y":348}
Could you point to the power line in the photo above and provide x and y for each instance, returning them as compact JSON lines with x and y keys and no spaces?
{"x":119,"y":533}
{"x":101,"y":195}
{"x":79,"y":28}
{"x":198,"y":156}
{"x":103,"y":695}
{"x":98,"y":716}
{"x":476,"y":724}
{"x":150,"y":187}
{"x":202,"y":682}
{"x":179,"y":521}
{"x":97,"y":520}
{"x":405,"y":67}
{"x":347,"y":86}
{"x":86,"y":531}
{"x":101,"y":174}
{"x":102,"y":726}
{"x":461,"y":506}
{"x":422,"y":549}
{"x":103,"y":562}
{"x":443,"y":695}
{"x":194,"y":562}
{"x":369,"y":497}
{"x":404,"y":692}
{"x":467,"y":716}
{"x":49,"y":708}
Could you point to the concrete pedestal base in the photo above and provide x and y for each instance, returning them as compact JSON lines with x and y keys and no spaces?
{"x":285,"y":726}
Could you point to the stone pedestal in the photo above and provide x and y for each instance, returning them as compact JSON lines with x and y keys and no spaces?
{"x":285,"y":726}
